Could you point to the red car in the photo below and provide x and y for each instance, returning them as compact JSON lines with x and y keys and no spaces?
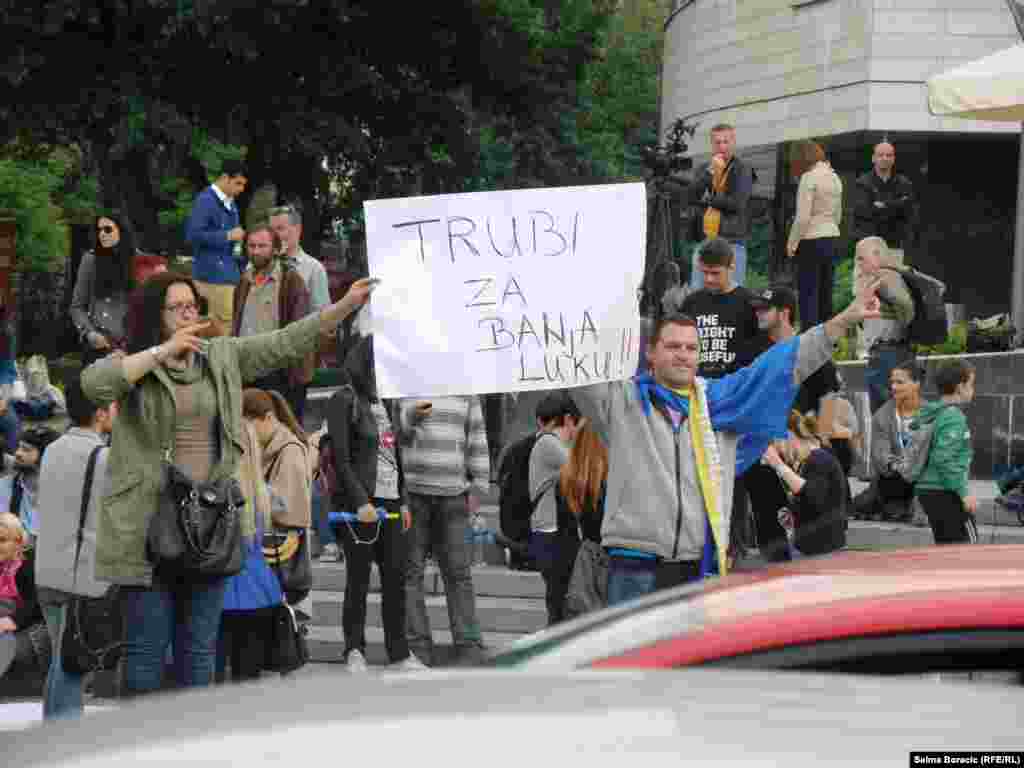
{"x":941,"y":609}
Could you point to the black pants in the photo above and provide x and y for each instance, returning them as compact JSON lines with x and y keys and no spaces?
{"x":244,"y":641}
{"x":893,"y":490}
{"x":814,"y":266}
{"x":555,"y":554}
{"x":738,"y":522}
{"x":389,"y":552}
{"x":951,"y":523}
{"x":767,"y":497}
{"x":278,"y":382}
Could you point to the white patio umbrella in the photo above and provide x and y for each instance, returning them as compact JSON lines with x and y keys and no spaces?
{"x":991,"y":88}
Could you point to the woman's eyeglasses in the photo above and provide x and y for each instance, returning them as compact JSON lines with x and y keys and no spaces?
{"x":106,"y":229}
{"x":182,"y":307}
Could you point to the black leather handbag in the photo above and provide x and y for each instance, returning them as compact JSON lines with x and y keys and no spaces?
{"x":197,"y":531}
{"x":93,"y":635}
{"x":289,"y":649}
{"x":286,"y":551}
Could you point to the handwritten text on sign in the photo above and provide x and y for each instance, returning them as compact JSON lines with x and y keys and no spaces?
{"x":506,"y":291}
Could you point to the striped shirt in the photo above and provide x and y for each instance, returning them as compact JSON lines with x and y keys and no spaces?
{"x":445,"y":452}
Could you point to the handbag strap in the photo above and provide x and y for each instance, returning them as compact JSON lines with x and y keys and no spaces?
{"x":90,"y":472}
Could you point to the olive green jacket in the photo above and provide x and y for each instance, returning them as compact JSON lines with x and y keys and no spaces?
{"x":144,"y":433}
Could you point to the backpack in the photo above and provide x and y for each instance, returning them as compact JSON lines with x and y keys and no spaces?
{"x":929,"y":323}
{"x":514,"y":503}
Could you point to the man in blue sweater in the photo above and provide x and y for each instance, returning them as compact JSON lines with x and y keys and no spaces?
{"x":213,"y":230}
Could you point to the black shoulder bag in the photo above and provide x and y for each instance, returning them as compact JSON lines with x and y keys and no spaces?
{"x":93,"y":635}
{"x":196,"y":533}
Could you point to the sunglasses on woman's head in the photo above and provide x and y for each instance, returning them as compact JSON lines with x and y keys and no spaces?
{"x":106,"y":229}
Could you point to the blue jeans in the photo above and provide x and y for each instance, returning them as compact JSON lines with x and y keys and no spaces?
{"x":629,"y":578}
{"x":881,"y":360}
{"x":62,"y":694}
{"x":739,"y":275}
{"x":188,"y":615}
{"x":324,"y":532}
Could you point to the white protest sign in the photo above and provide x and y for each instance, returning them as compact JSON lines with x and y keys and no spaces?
{"x":506,"y":291}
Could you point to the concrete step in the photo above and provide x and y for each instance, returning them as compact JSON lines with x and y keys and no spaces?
{"x":495,"y":614}
{"x":881,"y":536}
{"x":327,"y":645}
{"x":986,"y":491}
{"x":488,"y":581}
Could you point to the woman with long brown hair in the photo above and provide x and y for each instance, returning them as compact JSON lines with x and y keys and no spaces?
{"x":581,"y":485}
{"x":580,"y":502}
{"x":286,"y":459}
{"x":815,"y":231}
{"x":250,"y":597}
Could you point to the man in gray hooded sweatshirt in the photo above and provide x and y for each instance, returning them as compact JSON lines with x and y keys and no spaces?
{"x":672,"y":440}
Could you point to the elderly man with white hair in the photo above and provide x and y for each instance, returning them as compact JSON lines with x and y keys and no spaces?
{"x":886,"y":335}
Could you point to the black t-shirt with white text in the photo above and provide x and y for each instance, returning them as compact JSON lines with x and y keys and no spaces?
{"x":726,"y":322}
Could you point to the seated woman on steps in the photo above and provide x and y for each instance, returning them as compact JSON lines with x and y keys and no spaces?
{"x":816,"y":486}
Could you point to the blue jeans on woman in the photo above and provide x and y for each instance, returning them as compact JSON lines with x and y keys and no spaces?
{"x":187,"y":615}
{"x":324,"y":532}
{"x":62,"y":695}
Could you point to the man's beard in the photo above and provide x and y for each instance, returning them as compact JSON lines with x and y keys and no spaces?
{"x":25,"y":469}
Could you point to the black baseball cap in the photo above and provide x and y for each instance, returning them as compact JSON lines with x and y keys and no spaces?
{"x":778,"y":296}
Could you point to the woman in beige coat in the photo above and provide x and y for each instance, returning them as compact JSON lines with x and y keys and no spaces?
{"x":286,"y":460}
{"x":815,"y":231}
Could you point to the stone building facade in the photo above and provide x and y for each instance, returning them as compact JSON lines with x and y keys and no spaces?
{"x":848,"y":73}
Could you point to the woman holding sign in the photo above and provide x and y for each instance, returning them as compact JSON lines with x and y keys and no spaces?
{"x":371,"y":485}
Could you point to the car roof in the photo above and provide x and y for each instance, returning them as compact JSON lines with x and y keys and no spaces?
{"x":466,"y":718}
{"x":803,"y":601}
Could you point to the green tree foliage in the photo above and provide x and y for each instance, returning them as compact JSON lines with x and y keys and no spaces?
{"x":842,"y":284}
{"x":377,"y":100}
{"x":759,"y":247}
{"x":27,"y":190}
{"x":619,"y":101}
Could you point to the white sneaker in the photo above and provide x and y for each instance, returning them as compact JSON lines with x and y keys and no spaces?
{"x":410,"y":664}
{"x":356,"y":662}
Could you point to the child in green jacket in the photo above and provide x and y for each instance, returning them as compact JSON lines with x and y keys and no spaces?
{"x":942,"y":487}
